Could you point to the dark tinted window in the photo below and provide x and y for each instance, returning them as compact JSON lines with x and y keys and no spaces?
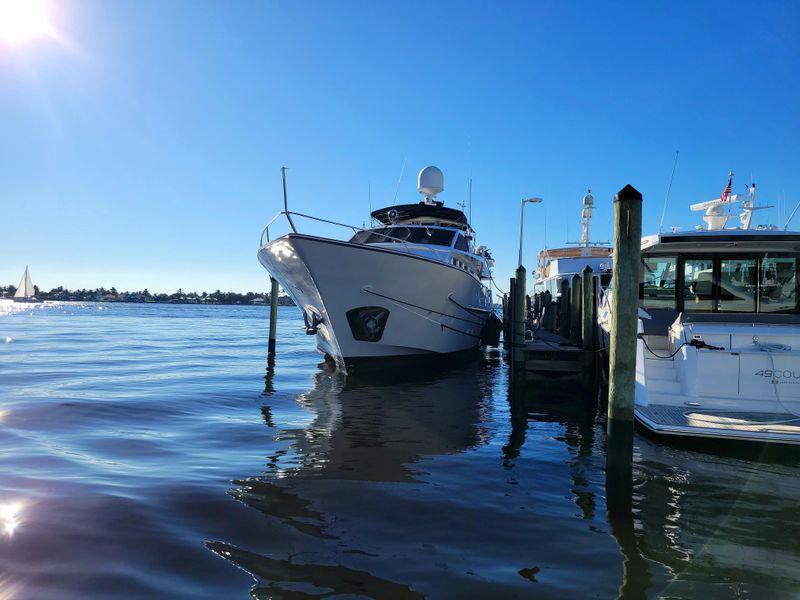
{"x":778,"y":289}
{"x":400,"y":234}
{"x":461,"y":243}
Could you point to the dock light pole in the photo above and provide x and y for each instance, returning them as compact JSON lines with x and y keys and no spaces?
{"x":521,"y":209}
{"x":519,"y":298}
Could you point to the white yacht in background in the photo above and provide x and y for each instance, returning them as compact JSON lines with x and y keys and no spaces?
{"x":718,"y":353}
{"x":413,"y":285}
{"x":25,"y":291}
{"x":557,"y":264}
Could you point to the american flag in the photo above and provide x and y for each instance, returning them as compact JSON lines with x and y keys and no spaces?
{"x":727,"y":189}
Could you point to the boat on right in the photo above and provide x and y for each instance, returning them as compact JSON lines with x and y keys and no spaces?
{"x":718,"y":350}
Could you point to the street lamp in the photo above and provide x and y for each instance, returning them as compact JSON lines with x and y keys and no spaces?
{"x":521,"y":207}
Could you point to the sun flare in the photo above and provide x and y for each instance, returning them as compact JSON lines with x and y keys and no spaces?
{"x":24,"y":20}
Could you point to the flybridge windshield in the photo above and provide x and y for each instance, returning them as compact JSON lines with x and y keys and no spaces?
{"x":402,"y":234}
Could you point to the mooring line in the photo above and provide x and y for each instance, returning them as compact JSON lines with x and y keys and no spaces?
{"x":430,"y":310}
{"x":440,"y":324}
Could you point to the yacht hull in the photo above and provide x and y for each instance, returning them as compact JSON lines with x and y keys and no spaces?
{"x":365,"y":302}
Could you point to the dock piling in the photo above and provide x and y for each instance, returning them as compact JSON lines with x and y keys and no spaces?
{"x":624,"y":324}
{"x":587,"y":309}
{"x":563,"y":310}
{"x":273,"y":318}
{"x":575,"y":310}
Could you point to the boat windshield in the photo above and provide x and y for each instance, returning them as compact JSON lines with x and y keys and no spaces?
{"x":743,"y":284}
{"x":403,"y":234}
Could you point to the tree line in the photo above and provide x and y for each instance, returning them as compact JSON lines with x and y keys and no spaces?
{"x":102,"y":294}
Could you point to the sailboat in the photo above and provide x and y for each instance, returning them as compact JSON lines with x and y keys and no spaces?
{"x":25,"y":289}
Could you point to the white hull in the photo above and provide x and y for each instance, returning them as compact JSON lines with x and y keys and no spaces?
{"x":434,"y":308}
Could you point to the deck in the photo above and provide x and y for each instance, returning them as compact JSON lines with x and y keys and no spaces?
{"x":781,"y":426}
{"x":549,"y":354}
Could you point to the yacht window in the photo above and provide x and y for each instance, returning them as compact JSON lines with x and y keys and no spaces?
{"x":699,"y":289}
{"x":400,"y":234}
{"x":659,"y":274}
{"x":778,"y":286}
{"x":737,"y":285}
{"x":462,"y":244}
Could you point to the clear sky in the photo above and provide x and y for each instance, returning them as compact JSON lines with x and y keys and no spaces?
{"x":141,"y":142}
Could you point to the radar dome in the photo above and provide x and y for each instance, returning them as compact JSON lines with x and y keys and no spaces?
{"x":430,"y":182}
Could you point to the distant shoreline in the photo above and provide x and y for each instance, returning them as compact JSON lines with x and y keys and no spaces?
{"x":60,"y":294}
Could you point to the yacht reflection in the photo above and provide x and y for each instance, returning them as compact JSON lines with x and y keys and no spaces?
{"x":377,"y":429}
{"x":362,"y":431}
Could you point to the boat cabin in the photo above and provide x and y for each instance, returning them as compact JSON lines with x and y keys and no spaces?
{"x":430,"y":230}
{"x":730,"y":275}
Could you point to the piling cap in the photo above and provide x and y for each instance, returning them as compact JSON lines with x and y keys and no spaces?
{"x":587,"y":269}
{"x":628,"y":193}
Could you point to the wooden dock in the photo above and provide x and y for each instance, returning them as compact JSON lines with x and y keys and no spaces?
{"x":551,"y":356}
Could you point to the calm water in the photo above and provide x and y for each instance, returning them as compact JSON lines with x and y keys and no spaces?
{"x":145,"y":452}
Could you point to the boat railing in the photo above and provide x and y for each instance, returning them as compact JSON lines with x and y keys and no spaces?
{"x":355,"y":229}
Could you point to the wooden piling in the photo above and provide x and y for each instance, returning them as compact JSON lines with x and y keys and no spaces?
{"x":273,"y":318}
{"x":587,"y":309}
{"x":512,"y":294}
{"x":563,"y":310}
{"x":506,"y":332}
{"x":575,"y":310}
{"x":624,"y":325}
{"x":519,"y":316}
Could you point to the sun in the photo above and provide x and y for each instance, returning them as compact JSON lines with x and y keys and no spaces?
{"x":24,"y":20}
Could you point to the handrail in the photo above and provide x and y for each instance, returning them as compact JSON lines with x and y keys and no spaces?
{"x":266,"y":227}
{"x":356,"y":229}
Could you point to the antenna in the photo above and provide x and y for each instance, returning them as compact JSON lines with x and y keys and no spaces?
{"x":791,"y":216}
{"x":430,"y":182}
{"x":669,"y":189}
{"x":399,"y":179}
{"x":470,"y":199}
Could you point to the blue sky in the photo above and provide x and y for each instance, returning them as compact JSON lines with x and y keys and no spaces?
{"x":142,"y":147}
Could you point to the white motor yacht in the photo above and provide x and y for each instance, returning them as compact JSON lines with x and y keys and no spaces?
{"x":718,"y":353}
{"x":412,"y":285}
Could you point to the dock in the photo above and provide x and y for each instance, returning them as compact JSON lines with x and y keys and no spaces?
{"x":560,"y":337}
{"x":551,"y":356}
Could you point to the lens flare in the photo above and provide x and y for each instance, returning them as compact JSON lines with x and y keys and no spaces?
{"x":10,"y":517}
{"x":24,"y":20}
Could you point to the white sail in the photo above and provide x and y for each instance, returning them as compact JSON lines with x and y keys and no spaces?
{"x":25,"y":289}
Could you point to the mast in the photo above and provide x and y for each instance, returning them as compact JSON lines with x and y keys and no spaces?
{"x":586,"y":216}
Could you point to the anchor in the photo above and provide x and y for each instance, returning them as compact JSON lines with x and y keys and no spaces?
{"x":315,"y":322}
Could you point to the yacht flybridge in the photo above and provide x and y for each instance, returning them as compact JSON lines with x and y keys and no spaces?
{"x":718,"y":353}
{"x":411,"y":285}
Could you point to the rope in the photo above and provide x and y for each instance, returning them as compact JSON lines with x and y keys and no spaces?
{"x":471,"y":311}
{"x":430,"y":310}
{"x":440,"y":324}
{"x":650,"y":350}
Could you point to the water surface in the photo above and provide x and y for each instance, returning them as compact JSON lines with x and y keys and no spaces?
{"x":147,"y":451}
